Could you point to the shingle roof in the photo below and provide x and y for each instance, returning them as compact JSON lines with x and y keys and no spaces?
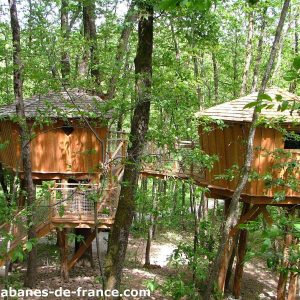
{"x":234,"y":110}
{"x":65,"y":104}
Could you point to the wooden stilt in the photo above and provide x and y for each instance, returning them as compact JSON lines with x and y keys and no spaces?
{"x":230,"y":264}
{"x":224,"y":266}
{"x":241,"y":252}
{"x":293,"y":286}
{"x":226,"y":206}
{"x":281,"y":288}
{"x":81,"y":250}
{"x":63,"y":242}
{"x":251,"y":214}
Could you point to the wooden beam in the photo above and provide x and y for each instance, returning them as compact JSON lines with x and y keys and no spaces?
{"x":252,"y":214}
{"x":84,"y":246}
{"x":241,"y":252}
{"x":267,"y":215}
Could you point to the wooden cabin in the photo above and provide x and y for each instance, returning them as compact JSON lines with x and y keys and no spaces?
{"x":229,"y":144}
{"x":70,"y":145}
{"x":62,"y":144}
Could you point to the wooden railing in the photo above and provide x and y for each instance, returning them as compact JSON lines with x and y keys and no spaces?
{"x":162,"y":159}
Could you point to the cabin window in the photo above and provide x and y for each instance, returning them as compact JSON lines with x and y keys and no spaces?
{"x":292,"y":142}
{"x":67,"y":129}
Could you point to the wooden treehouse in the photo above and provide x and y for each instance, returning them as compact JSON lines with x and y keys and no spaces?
{"x":72,"y":149}
{"x":276,"y":154}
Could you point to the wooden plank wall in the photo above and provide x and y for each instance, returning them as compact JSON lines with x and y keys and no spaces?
{"x":230,"y":145}
{"x":53,"y":151}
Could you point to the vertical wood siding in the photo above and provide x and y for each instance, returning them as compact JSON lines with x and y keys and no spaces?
{"x":53,"y":151}
{"x":230,"y":145}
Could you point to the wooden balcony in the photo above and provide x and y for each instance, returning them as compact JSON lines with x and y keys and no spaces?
{"x":82,"y":205}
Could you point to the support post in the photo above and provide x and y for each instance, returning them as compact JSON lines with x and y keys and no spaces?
{"x":63,"y":244}
{"x":241,"y":252}
{"x":281,"y":288}
{"x":293,"y":286}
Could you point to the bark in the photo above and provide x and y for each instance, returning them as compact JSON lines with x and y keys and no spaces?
{"x":139,"y":127}
{"x":216,"y":76}
{"x":63,"y":244}
{"x":4,"y":185}
{"x":241,"y":253}
{"x":197,"y":77}
{"x":122,"y":48}
{"x":259,"y":52}
{"x":156,"y":208}
{"x":283,"y":276}
{"x":226,"y":241}
{"x":151,"y":226}
{"x":90,"y":36}
{"x":192,"y":199}
{"x":197,"y":218}
{"x":248,"y":54}
{"x":279,"y":56}
{"x":293,"y":84}
{"x":30,"y":278}
{"x":30,"y":24}
{"x":235,"y":65}
{"x":293,"y":286}
{"x":65,"y":57}
{"x":89,"y":18}
{"x":176,"y":46}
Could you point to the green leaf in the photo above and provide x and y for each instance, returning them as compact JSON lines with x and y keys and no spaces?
{"x":290,"y":75}
{"x":250,"y":105}
{"x":284,"y":105}
{"x":264,"y":97}
{"x":297,"y":226}
{"x":28,"y":246}
{"x":296,"y":63}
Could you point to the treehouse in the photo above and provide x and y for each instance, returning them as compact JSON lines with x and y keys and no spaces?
{"x":274,"y":178}
{"x":63,"y":145}
{"x":71,"y":147}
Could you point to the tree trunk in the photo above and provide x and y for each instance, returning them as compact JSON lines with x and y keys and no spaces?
{"x":151,"y":225}
{"x":283,"y":276}
{"x":248,"y":54}
{"x":90,"y":51}
{"x":293,"y":286}
{"x":176,"y":46}
{"x":259,"y":52}
{"x":122,"y":47}
{"x":4,"y":185}
{"x":279,"y":56}
{"x":216,"y":76}
{"x":226,"y":241}
{"x":197,"y":217}
{"x":241,"y":253}
{"x":235,"y":65}
{"x":139,"y":127}
{"x":30,"y":278}
{"x":65,"y":58}
{"x":293,"y":84}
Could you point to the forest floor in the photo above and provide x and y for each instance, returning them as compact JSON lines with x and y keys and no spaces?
{"x":258,"y":282}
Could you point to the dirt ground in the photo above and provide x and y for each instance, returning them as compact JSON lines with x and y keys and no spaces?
{"x":258,"y":282}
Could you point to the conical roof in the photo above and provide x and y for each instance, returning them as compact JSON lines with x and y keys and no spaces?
{"x":234,"y":110}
